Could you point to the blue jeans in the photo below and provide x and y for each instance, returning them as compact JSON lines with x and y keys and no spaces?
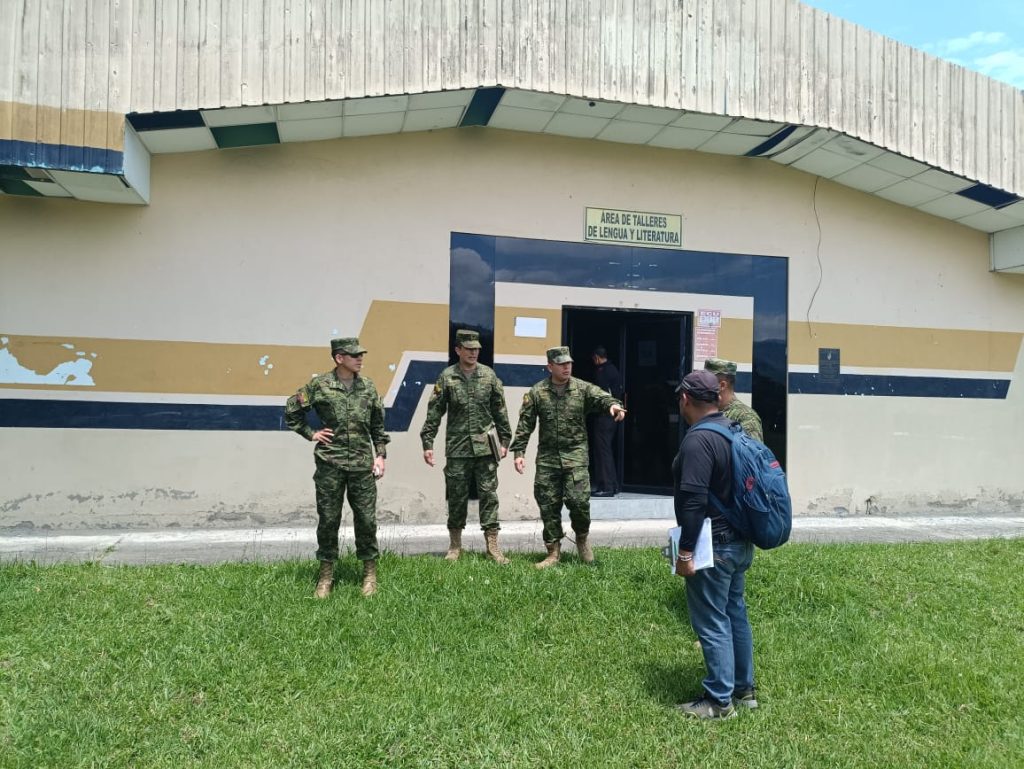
{"x":718,"y":615}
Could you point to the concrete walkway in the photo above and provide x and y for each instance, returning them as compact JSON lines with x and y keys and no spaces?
{"x":266,"y":544}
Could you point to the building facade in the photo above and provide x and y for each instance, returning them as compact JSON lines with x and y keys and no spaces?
{"x":197,"y":197}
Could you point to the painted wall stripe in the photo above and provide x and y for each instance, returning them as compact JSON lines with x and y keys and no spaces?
{"x":420,"y":375}
{"x":899,"y":386}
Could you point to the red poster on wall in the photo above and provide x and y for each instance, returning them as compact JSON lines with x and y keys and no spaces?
{"x":705,"y":336}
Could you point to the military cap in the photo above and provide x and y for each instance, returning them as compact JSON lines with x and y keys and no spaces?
{"x":720,"y":366}
{"x":559,"y":355}
{"x":468,"y":339}
{"x":702,"y":385}
{"x":348,"y":345}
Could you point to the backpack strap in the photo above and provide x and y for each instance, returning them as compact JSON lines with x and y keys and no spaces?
{"x":728,"y":434}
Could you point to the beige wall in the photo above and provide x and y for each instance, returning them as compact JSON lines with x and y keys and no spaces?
{"x":268,"y":252}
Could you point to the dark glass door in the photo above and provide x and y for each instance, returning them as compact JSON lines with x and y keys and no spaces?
{"x":650,"y":349}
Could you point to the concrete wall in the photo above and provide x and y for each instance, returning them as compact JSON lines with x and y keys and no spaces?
{"x":226,"y":289}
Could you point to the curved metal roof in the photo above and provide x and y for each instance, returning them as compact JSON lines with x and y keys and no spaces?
{"x":821,"y":93}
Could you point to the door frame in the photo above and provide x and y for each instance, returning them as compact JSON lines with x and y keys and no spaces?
{"x":685,"y":318}
{"x":478,"y":262}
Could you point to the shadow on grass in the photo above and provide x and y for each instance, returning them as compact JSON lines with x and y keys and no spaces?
{"x":671,"y":684}
{"x":346,"y":569}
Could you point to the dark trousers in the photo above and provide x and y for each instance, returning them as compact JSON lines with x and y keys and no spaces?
{"x":605,"y":478}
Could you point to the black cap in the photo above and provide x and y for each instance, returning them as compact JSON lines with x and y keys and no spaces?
{"x":702,"y":385}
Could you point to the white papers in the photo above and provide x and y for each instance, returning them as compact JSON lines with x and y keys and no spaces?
{"x":703,"y":556}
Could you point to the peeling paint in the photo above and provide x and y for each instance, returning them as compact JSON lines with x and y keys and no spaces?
{"x":72,"y":372}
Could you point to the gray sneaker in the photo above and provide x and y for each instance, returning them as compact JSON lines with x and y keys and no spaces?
{"x":745,"y":697}
{"x":704,"y":708}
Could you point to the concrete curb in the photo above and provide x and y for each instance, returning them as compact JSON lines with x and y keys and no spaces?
{"x":277,"y":543}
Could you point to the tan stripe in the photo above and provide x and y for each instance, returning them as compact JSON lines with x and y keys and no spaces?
{"x":736,"y":340}
{"x":6,"y":119}
{"x":507,"y":343}
{"x":52,"y":125}
{"x":391,"y":328}
{"x":123,"y":365}
{"x":894,"y":347}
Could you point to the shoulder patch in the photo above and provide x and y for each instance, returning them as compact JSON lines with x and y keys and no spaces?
{"x":437,"y":388}
{"x":526,"y":398}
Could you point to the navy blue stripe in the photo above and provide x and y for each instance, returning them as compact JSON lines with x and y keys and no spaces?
{"x":899,"y":386}
{"x":61,"y":157}
{"x":989,"y":196}
{"x":159,"y":121}
{"x":772,"y":141}
{"x":138,"y":416}
{"x":520,"y":374}
{"x":21,"y":412}
{"x":482,"y":107}
{"x":419,"y":374}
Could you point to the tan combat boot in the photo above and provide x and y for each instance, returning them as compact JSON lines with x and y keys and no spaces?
{"x":583,"y":548}
{"x":454,"y":545}
{"x":369,"y":578}
{"x":325,"y":579}
{"x":554,"y":552}
{"x":493,"y":551}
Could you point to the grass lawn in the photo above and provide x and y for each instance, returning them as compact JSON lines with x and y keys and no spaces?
{"x":867,"y":656}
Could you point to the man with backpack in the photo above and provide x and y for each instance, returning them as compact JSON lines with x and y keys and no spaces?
{"x":714,"y":596}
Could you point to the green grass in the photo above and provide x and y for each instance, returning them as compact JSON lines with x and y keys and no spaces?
{"x":867,"y":656}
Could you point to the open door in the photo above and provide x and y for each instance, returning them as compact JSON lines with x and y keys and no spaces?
{"x":650,"y":349}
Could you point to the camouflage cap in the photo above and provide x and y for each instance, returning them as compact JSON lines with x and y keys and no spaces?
{"x":348,"y":345}
{"x":468,"y":339}
{"x":720,"y":366}
{"x":702,"y":385}
{"x":559,"y":355}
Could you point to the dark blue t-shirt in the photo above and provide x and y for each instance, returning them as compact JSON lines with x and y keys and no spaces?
{"x":703,"y":467}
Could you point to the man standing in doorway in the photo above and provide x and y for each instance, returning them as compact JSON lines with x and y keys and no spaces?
{"x":608,"y":378}
{"x":561,"y":403}
{"x":714,"y":596}
{"x":474,"y":400}
{"x":732,"y":407}
{"x":350,"y":451}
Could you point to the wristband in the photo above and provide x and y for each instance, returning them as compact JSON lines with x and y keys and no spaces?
{"x":686,"y":558}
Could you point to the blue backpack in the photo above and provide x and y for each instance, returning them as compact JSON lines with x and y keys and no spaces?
{"x":762,"y":510}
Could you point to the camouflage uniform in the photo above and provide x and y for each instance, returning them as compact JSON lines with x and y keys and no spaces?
{"x":357,"y":418}
{"x":562,"y":457}
{"x":737,"y":410}
{"x":474,"y":403}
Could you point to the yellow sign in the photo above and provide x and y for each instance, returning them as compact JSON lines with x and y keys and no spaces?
{"x":634,"y":228}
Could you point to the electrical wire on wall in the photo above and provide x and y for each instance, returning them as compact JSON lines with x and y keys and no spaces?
{"x":817,"y":253}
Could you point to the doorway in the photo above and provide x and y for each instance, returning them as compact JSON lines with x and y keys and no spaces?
{"x":651,"y":350}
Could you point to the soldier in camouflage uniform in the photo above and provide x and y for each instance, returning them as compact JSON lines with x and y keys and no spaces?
{"x":350,"y":451}
{"x":733,"y":408}
{"x":474,"y":400}
{"x":561,"y":403}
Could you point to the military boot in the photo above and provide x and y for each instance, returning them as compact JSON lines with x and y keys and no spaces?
{"x":369,"y":578}
{"x":325,"y":579}
{"x":493,"y":551}
{"x":583,"y":548}
{"x":454,"y":545}
{"x":554,"y":552}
